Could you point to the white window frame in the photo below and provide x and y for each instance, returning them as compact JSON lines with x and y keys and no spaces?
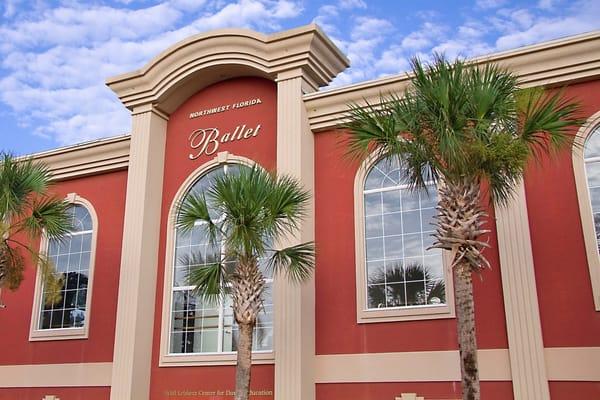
{"x":168,"y":359}
{"x":392,"y":314}
{"x":36,"y":334}
{"x":585,"y":204}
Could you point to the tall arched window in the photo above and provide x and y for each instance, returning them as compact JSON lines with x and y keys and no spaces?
{"x":399,"y":272}
{"x":72,"y":256}
{"x":586,"y":167}
{"x":197,"y":327}
{"x":592,"y":171}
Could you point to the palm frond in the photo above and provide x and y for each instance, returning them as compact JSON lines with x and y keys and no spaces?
{"x":297,"y":262}
{"x":210,"y":280}
{"x":19,"y":180}
{"x":546,"y":119}
{"x":49,"y":216}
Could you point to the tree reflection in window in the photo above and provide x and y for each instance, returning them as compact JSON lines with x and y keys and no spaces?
{"x":401,"y":271}
{"x":71,"y":258}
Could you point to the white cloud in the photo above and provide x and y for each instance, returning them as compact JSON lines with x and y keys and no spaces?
{"x":55,"y":61}
{"x":486,"y":4}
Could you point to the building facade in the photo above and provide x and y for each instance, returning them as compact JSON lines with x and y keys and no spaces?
{"x":377,"y":321}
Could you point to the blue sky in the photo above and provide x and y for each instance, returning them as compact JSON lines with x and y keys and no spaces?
{"x":56,"y":55}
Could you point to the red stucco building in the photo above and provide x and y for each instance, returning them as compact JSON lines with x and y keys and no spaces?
{"x":128,"y":327}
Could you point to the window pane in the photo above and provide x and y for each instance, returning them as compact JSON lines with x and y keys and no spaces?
{"x":400,"y":271}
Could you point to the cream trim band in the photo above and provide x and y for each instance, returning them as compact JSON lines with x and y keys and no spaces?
{"x":562,"y":364}
{"x":55,"y":375}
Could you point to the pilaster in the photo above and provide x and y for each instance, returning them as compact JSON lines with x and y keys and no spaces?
{"x":294,"y":304}
{"x":526,"y":348}
{"x":139,"y":260}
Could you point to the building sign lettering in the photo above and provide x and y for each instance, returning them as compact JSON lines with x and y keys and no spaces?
{"x":226,"y":107}
{"x":207,"y":140}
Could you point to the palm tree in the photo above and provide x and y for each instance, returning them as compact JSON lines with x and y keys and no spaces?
{"x":465,"y":128}
{"x":245,"y":213}
{"x":26,"y":211}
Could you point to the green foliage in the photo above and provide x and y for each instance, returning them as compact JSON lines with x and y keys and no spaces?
{"x":459,"y":121}
{"x":26,"y":211}
{"x":246,"y":213}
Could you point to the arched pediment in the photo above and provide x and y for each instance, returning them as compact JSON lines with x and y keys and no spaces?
{"x":201,"y":60}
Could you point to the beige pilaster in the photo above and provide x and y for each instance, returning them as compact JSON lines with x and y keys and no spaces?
{"x":526,"y":349}
{"x":294,"y":341}
{"x":139,"y":260}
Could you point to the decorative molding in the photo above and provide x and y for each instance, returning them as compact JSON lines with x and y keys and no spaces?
{"x":409,"y":396}
{"x":521,"y":308}
{"x":55,"y":375}
{"x":178,"y":360}
{"x":100,"y":156}
{"x":294,"y":304}
{"x":36,"y":334}
{"x":364,"y":315}
{"x":551,"y":63}
{"x":137,"y":282}
{"x":408,"y":367}
{"x":585,"y":205}
{"x":172,"y":76}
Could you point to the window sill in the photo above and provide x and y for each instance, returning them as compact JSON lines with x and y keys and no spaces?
{"x":404,"y":314}
{"x":179,"y":360}
{"x":58,"y":334}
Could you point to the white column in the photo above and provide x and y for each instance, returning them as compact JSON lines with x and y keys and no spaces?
{"x":294,"y":338}
{"x":137,"y":282}
{"x":525,"y":345}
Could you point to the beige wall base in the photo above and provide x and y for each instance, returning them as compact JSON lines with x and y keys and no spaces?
{"x":55,"y":375}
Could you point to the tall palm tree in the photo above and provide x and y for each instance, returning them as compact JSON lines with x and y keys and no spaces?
{"x":466,"y":128}
{"x":246,"y":212}
{"x":26,"y":211}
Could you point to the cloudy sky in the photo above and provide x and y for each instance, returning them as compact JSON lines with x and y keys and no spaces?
{"x":56,"y":55}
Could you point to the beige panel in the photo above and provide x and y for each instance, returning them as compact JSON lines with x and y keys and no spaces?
{"x":573,"y":363}
{"x":585,"y":205}
{"x":294,"y":305}
{"x":520,"y":300}
{"x":55,"y":375}
{"x":552,"y":63}
{"x":137,"y":282}
{"x":422,"y":366}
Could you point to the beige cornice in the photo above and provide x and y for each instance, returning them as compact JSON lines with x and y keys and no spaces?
{"x":87,"y":158}
{"x":173,"y":76}
{"x":557,"y":62}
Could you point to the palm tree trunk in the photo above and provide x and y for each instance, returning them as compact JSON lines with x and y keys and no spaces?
{"x":460,"y":224}
{"x":467,"y":342}
{"x":244,"y":362}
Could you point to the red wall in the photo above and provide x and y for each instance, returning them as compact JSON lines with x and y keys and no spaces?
{"x":561,"y":270}
{"x":178,"y":166}
{"x":107,"y":194}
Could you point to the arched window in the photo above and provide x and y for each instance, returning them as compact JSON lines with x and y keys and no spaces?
{"x":399,"y":276}
{"x":592,"y":171}
{"x":197,"y":327}
{"x":72,"y":256}
{"x":586,"y":167}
